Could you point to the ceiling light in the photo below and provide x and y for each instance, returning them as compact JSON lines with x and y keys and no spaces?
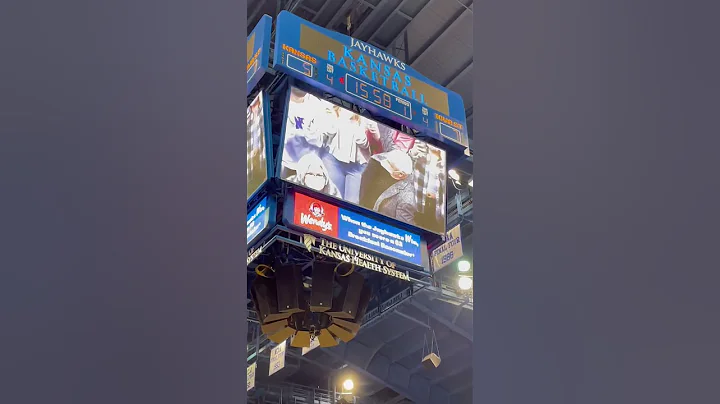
{"x":454,"y":175}
{"x":470,"y":183}
{"x":348,"y":384}
{"x":465,"y":283}
{"x":464,"y":266}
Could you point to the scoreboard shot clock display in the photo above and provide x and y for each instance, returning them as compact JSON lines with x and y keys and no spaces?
{"x":369,"y":77}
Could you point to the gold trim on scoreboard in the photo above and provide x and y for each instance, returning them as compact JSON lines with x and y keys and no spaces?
{"x":250,"y":46}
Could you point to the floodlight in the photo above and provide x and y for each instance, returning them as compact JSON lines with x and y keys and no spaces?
{"x":465,"y":283}
{"x":464,"y":266}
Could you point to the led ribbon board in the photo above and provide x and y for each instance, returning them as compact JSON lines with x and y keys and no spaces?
{"x":258,"y":219}
{"x":258,"y":51}
{"x":341,"y":224}
{"x":362,"y":74}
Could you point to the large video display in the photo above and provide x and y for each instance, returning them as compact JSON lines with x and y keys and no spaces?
{"x":339,"y":153}
{"x":257,"y":165}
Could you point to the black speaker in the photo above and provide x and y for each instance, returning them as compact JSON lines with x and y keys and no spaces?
{"x":354,"y":325}
{"x":270,"y":328}
{"x":349,"y":325}
{"x":281,"y":335}
{"x":345,"y":305}
{"x":345,"y":335}
{"x":264,"y":295}
{"x":326,"y":339}
{"x":289,"y":288}
{"x":365,"y":297}
{"x":323,"y":277}
{"x":301,"y":339}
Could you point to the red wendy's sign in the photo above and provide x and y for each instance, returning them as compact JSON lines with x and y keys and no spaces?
{"x":315,"y":215}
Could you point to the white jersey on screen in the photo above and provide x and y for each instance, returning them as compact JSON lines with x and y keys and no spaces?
{"x":302,"y":117}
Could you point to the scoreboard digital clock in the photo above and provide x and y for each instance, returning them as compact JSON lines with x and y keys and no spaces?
{"x":383,"y":99}
{"x":369,"y":77}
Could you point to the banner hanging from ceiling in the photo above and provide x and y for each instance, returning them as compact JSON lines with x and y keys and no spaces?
{"x":365,"y":75}
{"x":449,"y":251}
{"x":277,"y":358}
{"x":251,"y":376}
{"x":314,"y":343}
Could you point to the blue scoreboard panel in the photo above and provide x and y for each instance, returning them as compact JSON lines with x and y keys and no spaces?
{"x":364,"y":75}
{"x":258,"y":51}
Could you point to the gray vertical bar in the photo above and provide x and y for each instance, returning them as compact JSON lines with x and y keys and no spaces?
{"x":597,"y":198}
{"x":405,"y":46}
{"x":122,"y":202}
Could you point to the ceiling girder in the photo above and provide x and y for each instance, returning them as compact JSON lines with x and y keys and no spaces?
{"x":358,"y":32}
{"x":319,"y":12}
{"x":443,"y":321}
{"x":341,"y":13}
{"x":395,"y":399}
{"x":434,"y":42}
{"x":379,"y":28}
{"x":404,"y":390}
{"x":256,"y":11}
{"x":465,"y":70}
{"x":408,"y":24}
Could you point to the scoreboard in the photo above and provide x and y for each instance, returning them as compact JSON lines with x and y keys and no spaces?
{"x":258,"y":52}
{"x":364,"y":75}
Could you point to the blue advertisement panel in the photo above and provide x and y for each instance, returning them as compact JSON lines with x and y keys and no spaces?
{"x":341,"y":224}
{"x":258,"y":51}
{"x":363,"y":74}
{"x":258,"y":219}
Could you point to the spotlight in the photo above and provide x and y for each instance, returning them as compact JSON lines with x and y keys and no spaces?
{"x":348,"y":384}
{"x":463,"y":266}
{"x":454,"y":175}
{"x":465,"y":283}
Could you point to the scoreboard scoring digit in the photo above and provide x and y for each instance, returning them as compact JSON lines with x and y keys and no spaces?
{"x":301,"y":66}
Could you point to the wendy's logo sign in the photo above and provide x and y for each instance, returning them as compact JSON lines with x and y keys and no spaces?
{"x":316,"y":215}
{"x":315,"y":218}
{"x":317,"y":210}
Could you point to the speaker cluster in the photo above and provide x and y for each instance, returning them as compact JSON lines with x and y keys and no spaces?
{"x":330,"y":309}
